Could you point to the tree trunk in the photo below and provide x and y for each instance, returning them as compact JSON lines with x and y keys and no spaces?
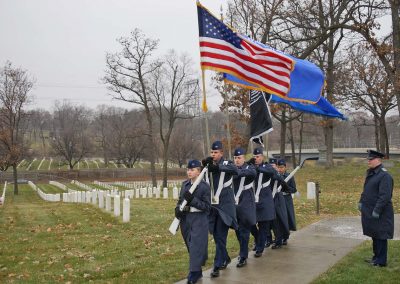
{"x":292,"y":141}
{"x":328,"y":131}
{"x":395,"y":11}
{"x":301,"y":136}
{"x":384,"y":139}
{"x":283,"y":134}
{"x":152,"y":149}
{"x":376,"y":130}
{"x":15,"y":176}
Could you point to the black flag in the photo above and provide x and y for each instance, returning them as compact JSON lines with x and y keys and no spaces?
{"x":260,"y":116}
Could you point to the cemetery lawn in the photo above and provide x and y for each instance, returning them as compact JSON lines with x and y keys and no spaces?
{"x":44,"y":242}
{"x":353,"y":269}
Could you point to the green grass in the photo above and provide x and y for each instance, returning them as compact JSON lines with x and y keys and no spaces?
{"x":44,"y":242}
{"x":353,"y":269}
{"x":48,"y":188}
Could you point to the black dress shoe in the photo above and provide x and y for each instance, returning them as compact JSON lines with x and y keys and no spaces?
{"x":214,"y":273}
{"x":223,"y":266}
{"x":258,"y":254}
{"x":284,"y":242}
{"x":276,"y":246}
{"x":378,"y":264}
{"x":242,"y":262}
{"x":268,"y":244}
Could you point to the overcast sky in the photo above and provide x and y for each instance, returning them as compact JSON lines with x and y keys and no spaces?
{"x":63,"y":43}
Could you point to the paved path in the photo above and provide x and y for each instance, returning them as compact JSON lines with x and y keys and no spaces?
{"x":310,"y":252}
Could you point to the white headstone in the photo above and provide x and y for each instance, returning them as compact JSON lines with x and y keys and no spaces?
{"x":117,"y":205}
{"x":94,"y":197}
{"x":175,"y":193}
{"x":165,"y":192}
{"x":101,"y":199}
{"x":126,"y":214}
{"x":88,"y":195}
{"x":137,"y":193}
{"x":310,"y":190}
{"x":108,"y":202}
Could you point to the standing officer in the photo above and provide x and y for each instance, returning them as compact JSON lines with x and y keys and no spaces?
{"x":291,"y":189}
{"x":265,"y":210}
{"x":223,"y":211}
{"x":376,"y":207}
{"x":245,"y":203}
{"x":194,"y":218}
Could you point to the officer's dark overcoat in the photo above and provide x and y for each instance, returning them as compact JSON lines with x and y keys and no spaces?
{"x":194,"y":225}
{"x":377,"y":195}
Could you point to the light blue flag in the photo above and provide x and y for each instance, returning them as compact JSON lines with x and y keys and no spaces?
{"x":321,"y":107}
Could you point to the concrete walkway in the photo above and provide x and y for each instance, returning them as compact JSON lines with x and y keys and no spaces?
{"x":310,"y":252}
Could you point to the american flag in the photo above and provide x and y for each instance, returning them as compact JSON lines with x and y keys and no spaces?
{"x":223,"y":50}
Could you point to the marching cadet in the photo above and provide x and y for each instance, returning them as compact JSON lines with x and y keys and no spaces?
{"x":376,"y":208}
{"x":291,"y":189}
{"x":280,"y":225}
{"x":265,"y":210}
{"x":194,"y":218}
{"x":245,"y":203}
{"x":223,"y":211}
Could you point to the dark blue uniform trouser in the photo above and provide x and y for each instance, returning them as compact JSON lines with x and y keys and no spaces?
{"x":261,"y":234}
{"x":277,"y":228}
{"x":243,"y":236}
{"x":380,"y":251}
{"x":220,"y":235}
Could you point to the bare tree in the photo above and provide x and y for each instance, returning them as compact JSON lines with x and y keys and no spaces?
{"x":173,"y":87}
{"x":15,"y":84}
{"x":127,"y":77}
{"x":371,"y":90}
{"x":70,"y":135}
{"x":184,"y":146}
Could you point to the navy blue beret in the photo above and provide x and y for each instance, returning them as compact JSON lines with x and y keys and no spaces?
{"x":193,"y":164}
{"x":239,"y":152}
{"x":281,"y":162}
{"x":258,"y":151}
{"x":217,"y":145}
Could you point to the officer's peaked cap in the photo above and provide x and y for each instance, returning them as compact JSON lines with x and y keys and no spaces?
{"x":372,"y":154}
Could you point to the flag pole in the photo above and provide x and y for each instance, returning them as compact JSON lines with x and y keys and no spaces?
{"x":228,"y":126}
{"x":205,"y":108}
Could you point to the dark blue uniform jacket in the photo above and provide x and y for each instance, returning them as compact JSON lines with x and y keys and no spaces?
{"x":194,"y":225}
{"x":226,"y":208}
{"x":246,"y":208}
{"x":289,"y":202}
{"x":265,"y":209}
